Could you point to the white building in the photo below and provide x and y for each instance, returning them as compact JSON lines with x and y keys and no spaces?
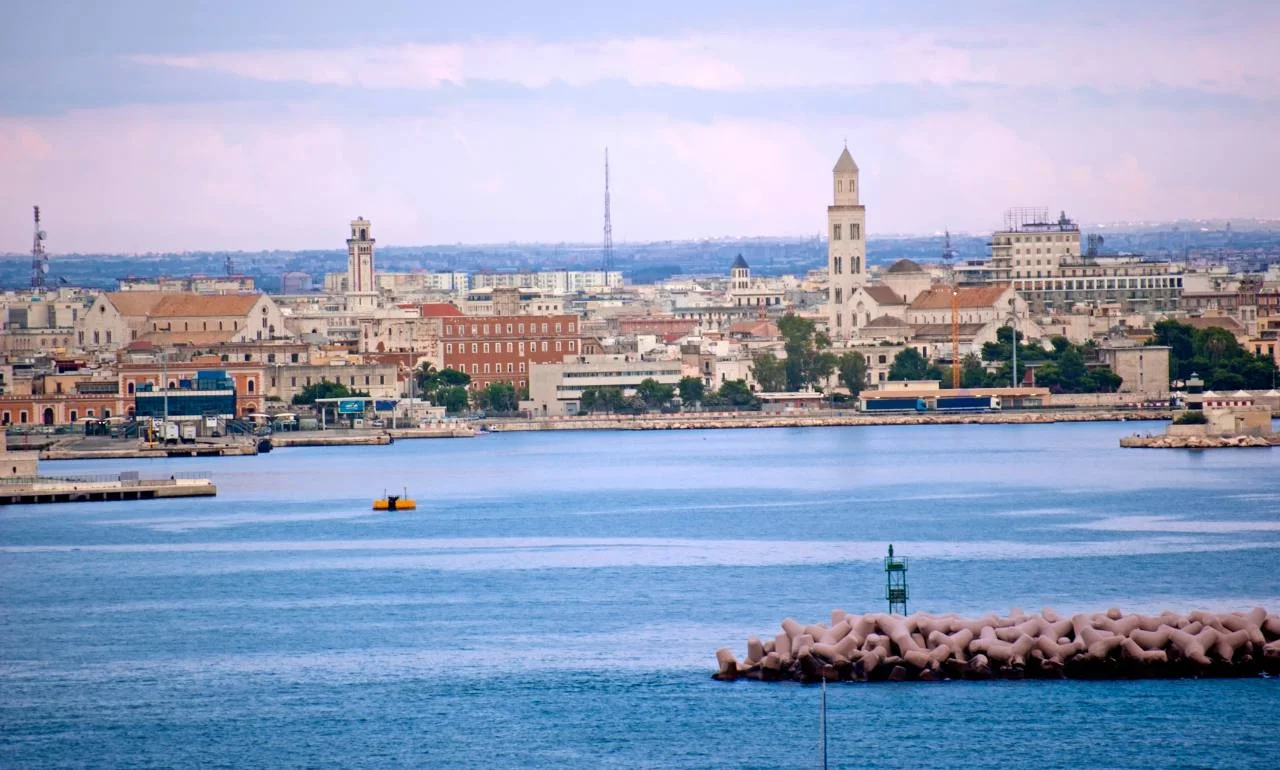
{"x":846,"y":245}
{"x":556,"y":389}
{"x":551,"y":281}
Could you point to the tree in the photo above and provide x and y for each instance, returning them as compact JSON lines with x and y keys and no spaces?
{"x":601,"y":399}
{"x":653,"y":393}
{"x":1214,"y":354}
{"x":972,"y":373}
{"x":1105,"y":380}
{"x":452,"y":397}
{"x":770,"y":372}
{"x":808,"y":361}
{"x":908,"y":365}
{"x":432,"y":381}
{"x":691,"y":389}
{"x":323,"y":389}
{"x":496,"y":397}
{"x":736,"y":393}
{"x":853,"y":372}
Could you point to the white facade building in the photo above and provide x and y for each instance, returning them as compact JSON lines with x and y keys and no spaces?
{"x":556,"y":389}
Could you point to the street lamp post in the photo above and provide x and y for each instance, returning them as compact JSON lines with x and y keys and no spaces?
{"x":1013,"y":325}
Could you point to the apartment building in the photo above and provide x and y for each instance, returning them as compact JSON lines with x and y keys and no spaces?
{"x":555,"y":389}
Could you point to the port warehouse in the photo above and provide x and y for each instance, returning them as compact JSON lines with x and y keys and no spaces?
{"x":926,"y":399}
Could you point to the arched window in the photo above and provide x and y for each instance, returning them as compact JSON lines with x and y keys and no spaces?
{"x":74,"y":415}
{"x":129,"y":388}
{"x":251,"y":386}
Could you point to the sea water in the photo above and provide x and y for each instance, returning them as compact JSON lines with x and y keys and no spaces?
{"x":556,"y":600}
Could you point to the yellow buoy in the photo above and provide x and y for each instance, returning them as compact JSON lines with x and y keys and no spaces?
{"x":394,"y":503}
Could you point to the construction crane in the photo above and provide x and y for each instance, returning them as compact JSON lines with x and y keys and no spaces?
{"x":948,"y":259}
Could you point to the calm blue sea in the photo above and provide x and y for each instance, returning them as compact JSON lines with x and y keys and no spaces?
{"x":557,"y":598}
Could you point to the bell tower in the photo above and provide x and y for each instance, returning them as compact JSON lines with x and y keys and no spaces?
{"x":846,"y":246}
{"x":360,"y":257}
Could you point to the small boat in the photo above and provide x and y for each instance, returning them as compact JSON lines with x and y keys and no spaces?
{"x":395,"y":503}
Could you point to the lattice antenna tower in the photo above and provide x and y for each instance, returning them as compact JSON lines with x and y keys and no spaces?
{"x":39,"y":259}
{"x":229,"y":264}
{"x":607,"y":256}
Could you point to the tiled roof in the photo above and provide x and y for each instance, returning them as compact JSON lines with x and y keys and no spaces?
{"x":943,"y":331}
{"x":883,"y":295}
{"x":938,"y":297}
{"x":755,"y":328}
{"x":1206,"y":322}
{"x":905,"y":266}
{"x":135,"y":303}
{"x":185,"y":305}
{"x":886,"y":322}
{"x":439,"y":309}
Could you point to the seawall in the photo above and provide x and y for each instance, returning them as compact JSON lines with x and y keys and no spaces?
{"x":824,"y":419}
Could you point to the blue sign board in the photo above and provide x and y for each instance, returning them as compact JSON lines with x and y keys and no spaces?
{"x":352,"y":406}
{"x":384,"y":406}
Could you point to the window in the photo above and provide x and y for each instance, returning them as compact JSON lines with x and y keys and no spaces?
{"x":293,"y":381}
{"x":96,"y":340}
{"x":522,"y":367}
{"x":544,"y":329}
{"x":382,"y":379}
{"x":475,"y":347}
{"x":571,"y":346}
{"x":839,"y":265}
{"x":557,"y":346}
{"x":520,"y":327}
{"x":366,"y":379}
{"x":508,"y":328}
{"x":855,"y":231}
{"x":448,"y":330}
{"x":293,"y":358}
{"x":448,"y":348}
{"x":486,"y":328}
{"x":108,"y":336}
{"x":544,"y":346}
{"x":557,"y":328}
{"x":271,"y":358}
{"x":486,"y":347}
{"x":835,"y":232}
{"x":510,"y":367}
{"x":571,"y":328}
{"x":22,"y":417}
{"x":839,"y":295}
{"x":508,"y":347}
{"x":251,"y":386}
{"x":486,"y":368}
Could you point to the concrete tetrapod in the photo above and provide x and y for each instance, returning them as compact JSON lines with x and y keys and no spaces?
{"x":1103,"y":645}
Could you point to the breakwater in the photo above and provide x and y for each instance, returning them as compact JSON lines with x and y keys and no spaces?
{"x":823,"y":419}
{"x":1104,"y":645}
{"x":1197,"y":442}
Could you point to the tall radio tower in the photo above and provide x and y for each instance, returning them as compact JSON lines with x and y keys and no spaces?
{"x":39,"y":260}
{"x":608,"y":219}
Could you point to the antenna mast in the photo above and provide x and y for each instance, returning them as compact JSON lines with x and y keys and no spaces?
{"x":229,"y":264}
{"x":39,"y":259}
{"x":608,"y":219}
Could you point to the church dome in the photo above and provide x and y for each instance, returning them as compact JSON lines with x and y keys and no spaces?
{"x":905,"y":266}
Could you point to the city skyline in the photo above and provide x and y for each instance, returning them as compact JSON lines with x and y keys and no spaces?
{"x":146,"y":128}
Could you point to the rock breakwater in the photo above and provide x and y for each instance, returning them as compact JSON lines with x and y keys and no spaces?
{"x":1196,"y":442}
{"x":1104,"y":645}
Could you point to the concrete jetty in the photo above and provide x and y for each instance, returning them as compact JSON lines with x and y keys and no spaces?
{"x":84,"y":489}
{"x":1102,"y":645}
{"x":328,"y":438}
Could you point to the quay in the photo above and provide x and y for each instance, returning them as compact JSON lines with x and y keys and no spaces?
{"x":811,"y":420}
{"x":101,"y":488}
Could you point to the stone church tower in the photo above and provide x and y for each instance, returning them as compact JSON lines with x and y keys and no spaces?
{"x":362,"y":290}
{"x":846,"y":245}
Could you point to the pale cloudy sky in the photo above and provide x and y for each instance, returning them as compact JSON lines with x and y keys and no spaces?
{"x":148,"y":125}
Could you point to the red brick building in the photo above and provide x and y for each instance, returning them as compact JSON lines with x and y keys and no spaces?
{"x":502,"y":348}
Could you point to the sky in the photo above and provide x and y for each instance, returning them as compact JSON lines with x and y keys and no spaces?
{"x":144,"y":126}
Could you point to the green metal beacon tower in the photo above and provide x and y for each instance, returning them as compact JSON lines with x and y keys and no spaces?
{"x":895,"y":582}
